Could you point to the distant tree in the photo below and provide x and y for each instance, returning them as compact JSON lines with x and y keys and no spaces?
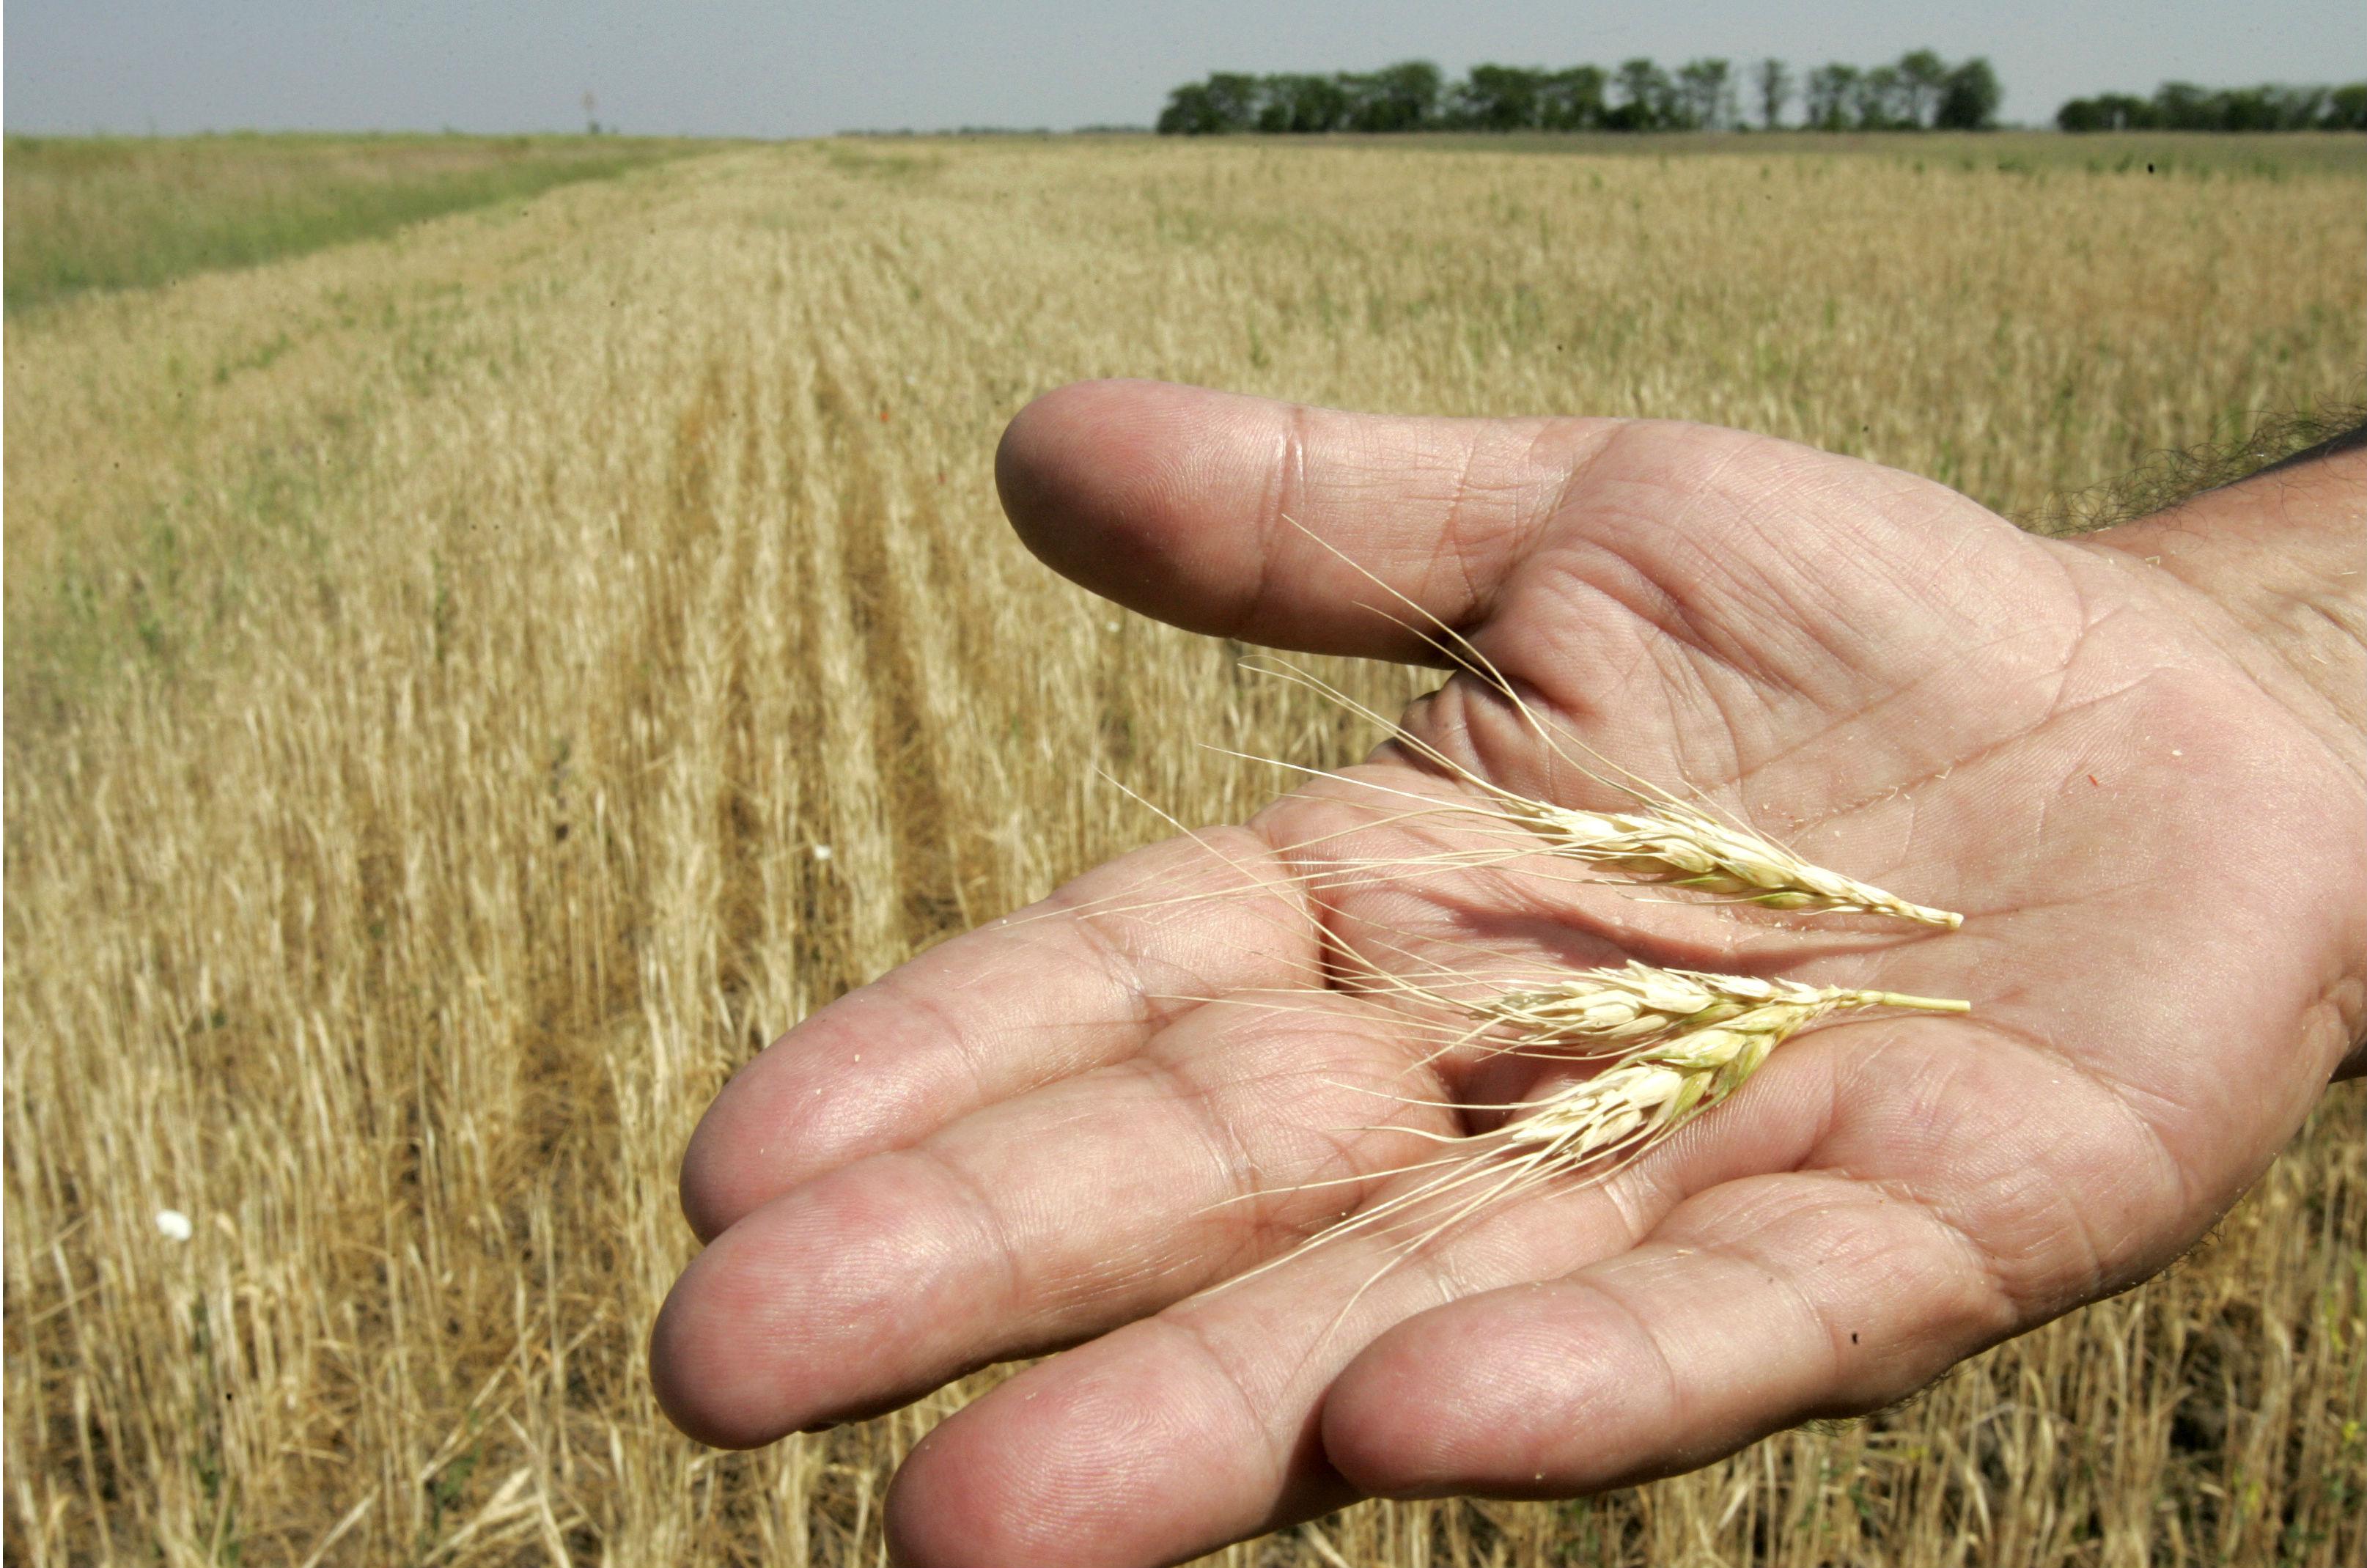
{"x":2080,"y":116}
{"x":1497,"y":97}
{"x":1831,"y":91}
{"x":1301,"y":105}
{"x":1922,"y":77}
{"x":1321,"y":104}
{"x":1456,"y":108}
{"x":1403,"y":97}
{"x":2126,"y":111}
{"x":2241,"y":109}
{"x":1969,"y":97}
{"x":1705,"y":90}
{"x":2182,"y":105}
{"x":1572,"y":100}
{"x":1412,"y":95}
{"x":1228,"y":102}
{"x":1235,"y":96}
{"x":1774,"y":81}
{"x":1190,"y":111}
{"x":1878,"y":100}
{"x":1413,"y":86}
{"x":1648,"y":97}
{"x":2298,"y":108}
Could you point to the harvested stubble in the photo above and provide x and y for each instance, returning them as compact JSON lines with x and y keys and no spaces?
{"x":432,"y":664}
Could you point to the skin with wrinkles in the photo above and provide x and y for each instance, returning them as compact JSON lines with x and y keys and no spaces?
{"x":2114,"y":756}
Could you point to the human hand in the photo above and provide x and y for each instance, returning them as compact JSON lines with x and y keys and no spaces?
{"x":2130,"y":777}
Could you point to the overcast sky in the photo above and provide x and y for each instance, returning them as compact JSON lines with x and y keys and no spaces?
{"x":753,"y":68}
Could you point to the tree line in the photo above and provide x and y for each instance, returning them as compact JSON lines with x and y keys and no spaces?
{"x":2182,"y":105}
{"x":1920,"y":91}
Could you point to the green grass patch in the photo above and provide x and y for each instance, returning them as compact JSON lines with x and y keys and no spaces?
{"x":125,"y":212}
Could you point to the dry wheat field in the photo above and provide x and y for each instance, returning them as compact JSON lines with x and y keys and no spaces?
{"x":468,"y":689}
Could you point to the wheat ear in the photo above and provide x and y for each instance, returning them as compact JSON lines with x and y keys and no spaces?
{"x":1602,"y":1012}
{"x":1668,"y":841}
{"x":1681,"y":1042}
{"x":1657,"y":1086}
{"x":1664,"y":841}
{"x":1675,"y":845}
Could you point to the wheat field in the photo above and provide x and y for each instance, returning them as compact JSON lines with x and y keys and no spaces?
{"x":468,"y":691}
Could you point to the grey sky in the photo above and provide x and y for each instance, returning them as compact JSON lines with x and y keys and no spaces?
{"x":747,"y":67}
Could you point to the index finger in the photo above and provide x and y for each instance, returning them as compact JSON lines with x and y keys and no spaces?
{"x":1077,"y":980}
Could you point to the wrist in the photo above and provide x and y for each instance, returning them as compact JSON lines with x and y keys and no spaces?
{"x":2273,"y":571}
{"x":2277,"y":569}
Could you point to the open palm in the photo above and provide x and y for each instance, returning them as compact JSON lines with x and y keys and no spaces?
{"x":1059,"y":1131}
